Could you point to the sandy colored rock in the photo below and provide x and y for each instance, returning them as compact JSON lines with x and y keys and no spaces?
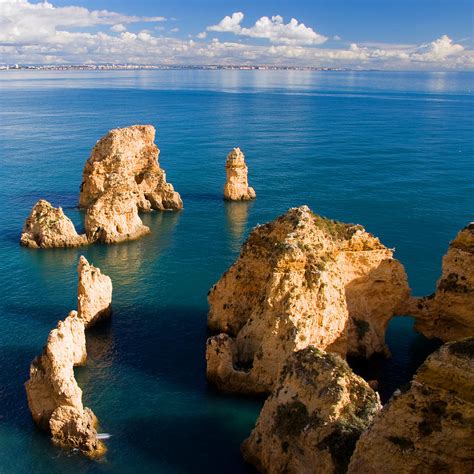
{"x":49,"y":227}
{"x":312,"y":419}
{"x":121,"y":178}
{"x":237,"y":187}
{"x":448,"y":314}
{"x":300,"y":280}
{"x":52,"y":382}
{"x":94,"y":293}
{"x":129,"y":157}
{"x":76,"y":429}
{"x":429,"y":426}
{"x":54,"y":397}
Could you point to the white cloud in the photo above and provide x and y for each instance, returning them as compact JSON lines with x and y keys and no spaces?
{"x":174,"y":30}
{"x":42,"y":33}
{"x":229,"y":24}
{"x":274,"y":29}
{"x":439,"y":49}
{"x":25,"y":22}
{"x":118,"y":28}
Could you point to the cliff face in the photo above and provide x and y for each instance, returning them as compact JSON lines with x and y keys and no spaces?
{"x":313,"y":417}
{"x":430,"y":426}
{"x":300,"y":280}
{"x":449,"y":313}
{"x":54,"y":398}
{"x":237,"y":187}
{"x":48,"y":227}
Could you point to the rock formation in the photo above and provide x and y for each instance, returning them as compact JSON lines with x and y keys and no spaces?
{"x":122,"y":177}
{"x":237,"y":187}
{"x":448,"y":314}
{"x":54,"y":398}
{"x":94,"y":293}
{"x":48,"y":227}
{"x":312,"y":419}
{"x":300,"y":280}
{"x":429,"y":426}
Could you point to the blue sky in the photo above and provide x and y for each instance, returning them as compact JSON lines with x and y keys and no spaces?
{"x":397,"y":34}
{"x":394,"y":21}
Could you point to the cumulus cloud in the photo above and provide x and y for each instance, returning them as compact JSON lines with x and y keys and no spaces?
{"x":25,"y":22}
{"x":229,"y":24}
{"x":43,"y":33}
{"x":274,"y":29}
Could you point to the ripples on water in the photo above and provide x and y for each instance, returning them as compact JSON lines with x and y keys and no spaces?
{"x":393,"y":151}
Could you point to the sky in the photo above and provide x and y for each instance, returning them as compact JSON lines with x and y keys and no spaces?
{"x":360,"y":34}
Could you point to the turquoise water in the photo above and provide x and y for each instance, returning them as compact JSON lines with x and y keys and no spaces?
{"x":392,"y":151}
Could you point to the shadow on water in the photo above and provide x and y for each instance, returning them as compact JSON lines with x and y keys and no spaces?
{"x":409,"y":350}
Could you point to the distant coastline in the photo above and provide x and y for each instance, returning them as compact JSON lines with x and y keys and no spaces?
{"x":135,"y":67}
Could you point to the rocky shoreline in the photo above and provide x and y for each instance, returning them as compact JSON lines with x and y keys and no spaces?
{"x":306,"y":292}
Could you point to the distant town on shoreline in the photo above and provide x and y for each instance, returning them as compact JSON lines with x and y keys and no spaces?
{"x":108,"y":67}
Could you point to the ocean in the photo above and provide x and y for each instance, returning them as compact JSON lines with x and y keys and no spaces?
{"x":393,"y":151}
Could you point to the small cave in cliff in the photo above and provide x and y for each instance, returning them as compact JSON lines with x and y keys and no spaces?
{"x":408,"y":350}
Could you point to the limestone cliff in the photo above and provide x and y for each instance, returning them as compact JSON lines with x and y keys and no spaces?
{"x":429,"y":426}
{"x":54,"y":397}
{"x":237,"y":187}
{"x":48,"y":227}
{"x":313,"y":417}
{"x":448,"y":314}
{"x":121,"y":177}
{"x":300,"y":280}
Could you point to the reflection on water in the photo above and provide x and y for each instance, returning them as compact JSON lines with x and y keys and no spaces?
{"x":236,"y":222}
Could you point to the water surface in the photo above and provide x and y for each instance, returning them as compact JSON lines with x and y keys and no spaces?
{"x":392,"y":151}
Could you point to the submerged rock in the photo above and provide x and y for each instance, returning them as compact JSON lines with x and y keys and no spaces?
{"x":448,"y":314}
{"x":429,"y":426}
{"x":237,"y":187}
{"x":300,"y":280}
{"x":121,"y":177}
{"x":54,"y":397}
{"x":313,"y":417}
{"x":49,"y":227}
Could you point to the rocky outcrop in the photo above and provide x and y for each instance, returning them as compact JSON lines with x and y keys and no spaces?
{"x":54,"y":397}
{"x":237,"y":187}
{"x":49,"y":227}
{"x":122,"y":177}
{"x":300,"y":280}
{"x":429,"y":426}
{"x":448,"y":314}
{"x":313,"y":417}
{"x":94,"y":293}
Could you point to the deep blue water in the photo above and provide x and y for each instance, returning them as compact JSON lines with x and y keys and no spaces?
{"x":392,"y":151}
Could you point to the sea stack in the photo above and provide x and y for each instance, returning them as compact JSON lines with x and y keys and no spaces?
{"x":312,"y":419}
{"x":428,"y":426}
{"x":54,"y":397}
{"x":237,"y":187}
{"x":448,"y":314}
{"x":300,"y":280}
{"x":49,"y":227}
{"x":122,"y":177}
